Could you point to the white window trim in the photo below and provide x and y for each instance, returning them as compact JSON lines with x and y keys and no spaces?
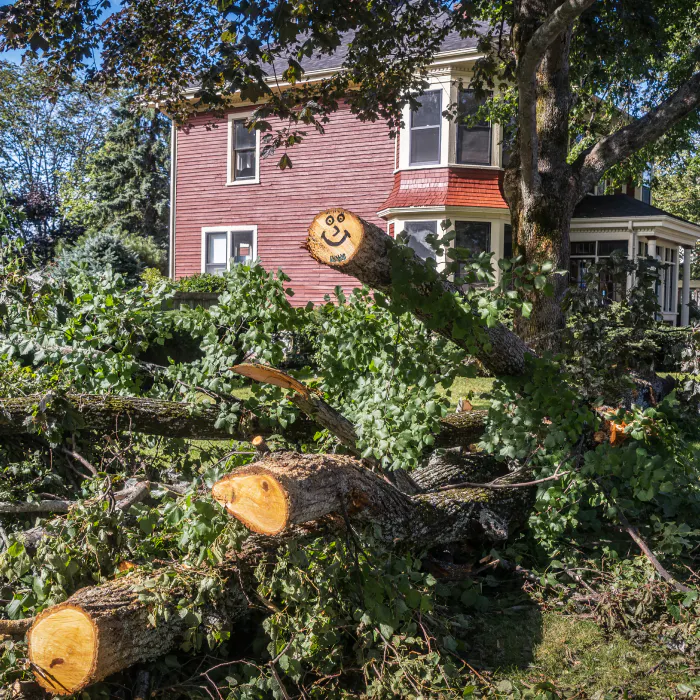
{"x":228,"y":230}
{"x":230,"y":182}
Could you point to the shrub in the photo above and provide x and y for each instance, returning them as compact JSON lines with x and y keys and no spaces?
{"x":95,"y":253}
{"x":203,"y":283}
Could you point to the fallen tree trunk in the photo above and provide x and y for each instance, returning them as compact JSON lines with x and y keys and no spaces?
{"x":286,"y":489}
{"x":104,"y":629}
{"x":340,"y":239}
{"x":126,"y":414}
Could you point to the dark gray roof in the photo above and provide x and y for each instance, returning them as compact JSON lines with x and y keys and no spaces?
{"x":617,"y":205}
{"x":453,"y":42}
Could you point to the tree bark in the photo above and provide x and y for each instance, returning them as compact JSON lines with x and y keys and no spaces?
{"x":362,"y":250}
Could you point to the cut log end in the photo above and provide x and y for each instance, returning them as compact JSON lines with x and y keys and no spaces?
{"x":335,"y":236}
{"x":63,"y":649}
{"x":257,"y":499}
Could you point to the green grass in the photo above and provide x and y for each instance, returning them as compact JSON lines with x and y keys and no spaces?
{"x":578,"y":658}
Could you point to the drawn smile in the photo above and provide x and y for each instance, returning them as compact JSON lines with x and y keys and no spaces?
{"x":335,"y":244}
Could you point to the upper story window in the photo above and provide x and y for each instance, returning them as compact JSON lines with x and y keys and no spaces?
{"x":244,"y":153}
{"x":425,"y":128}
{"x":473,"y":141}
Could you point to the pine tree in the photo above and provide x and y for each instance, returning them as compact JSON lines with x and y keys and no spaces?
{"x":127,"y":184}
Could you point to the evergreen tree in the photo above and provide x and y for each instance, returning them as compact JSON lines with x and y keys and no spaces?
{"x":126,"y":189}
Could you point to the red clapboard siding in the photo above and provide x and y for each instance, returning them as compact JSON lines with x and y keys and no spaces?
{"x":351,"y":166}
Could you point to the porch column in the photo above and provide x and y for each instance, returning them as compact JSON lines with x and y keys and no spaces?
{"x":685,"y":295}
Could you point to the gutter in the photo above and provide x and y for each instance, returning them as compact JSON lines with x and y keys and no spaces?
{"x":173,"y":196}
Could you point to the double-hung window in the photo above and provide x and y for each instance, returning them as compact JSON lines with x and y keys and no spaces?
{"x":473,"y":138}
{"x":226,"y":246}
{"x":244,"y":153}
{"x":425,"y":128}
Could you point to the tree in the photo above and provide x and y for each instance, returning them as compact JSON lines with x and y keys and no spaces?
{"x":123,"y":188}
{"x":611,"y":77}
{"x":46,"y":132}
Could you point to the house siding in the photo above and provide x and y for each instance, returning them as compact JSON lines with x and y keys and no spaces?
{"x":351,"y":165}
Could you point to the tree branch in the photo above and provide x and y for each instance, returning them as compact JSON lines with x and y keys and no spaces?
{"x":613,"y":149}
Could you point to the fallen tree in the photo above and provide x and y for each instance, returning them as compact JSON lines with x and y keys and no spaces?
{"x":106,"y":628}
{"x":25,"y":416}
{"x":340,"y":239}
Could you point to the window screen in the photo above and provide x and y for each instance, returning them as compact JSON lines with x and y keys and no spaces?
{"x":417,"y":232}
{"x":244,"y":152}
{"x":425,"y":129}
{"x":216,"y":252}
{"x":473,"y":142}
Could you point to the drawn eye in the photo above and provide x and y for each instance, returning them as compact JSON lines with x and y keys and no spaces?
{"x":341,"y":217}
{"x":330,"y":220}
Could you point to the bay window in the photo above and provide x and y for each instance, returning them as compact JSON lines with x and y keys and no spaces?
{"x":425,"y":129}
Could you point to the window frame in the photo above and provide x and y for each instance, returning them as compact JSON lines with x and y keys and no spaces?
{"x":229,"y":231}
{"x":231,"y":159}
{"x":411,"y":129}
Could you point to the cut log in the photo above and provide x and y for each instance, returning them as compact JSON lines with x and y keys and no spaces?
{"x":128,"y":414}
{"x":340,"y":239}
{"x":101,"y":630}
{"x":286,"y":489}
{"x":105,"y":629}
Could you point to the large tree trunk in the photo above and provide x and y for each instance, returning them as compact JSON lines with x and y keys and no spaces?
{"x":104,"y":629}
{"x":362,"y":250}
{"x":540,"y":190}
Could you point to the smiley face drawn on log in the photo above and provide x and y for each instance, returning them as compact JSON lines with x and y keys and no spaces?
{"x":330,"y":221}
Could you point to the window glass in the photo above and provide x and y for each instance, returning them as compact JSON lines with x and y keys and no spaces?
{"x":217,"y":252}
{"x":578,"y":268}
{"x":583,"y":248}
{"x":474,"y":236}
{"x":473,"y":142}
{"x":242,"y":245}
{"x":245,"y":151}
{"x":425,"y":129}
{"x":605,"y":248}
{"x":646,"y":187}
{"x":417,"y":232}
{"x":507,"y":241}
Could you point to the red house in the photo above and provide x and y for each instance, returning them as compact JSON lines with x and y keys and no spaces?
{"x":231,"y":205}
